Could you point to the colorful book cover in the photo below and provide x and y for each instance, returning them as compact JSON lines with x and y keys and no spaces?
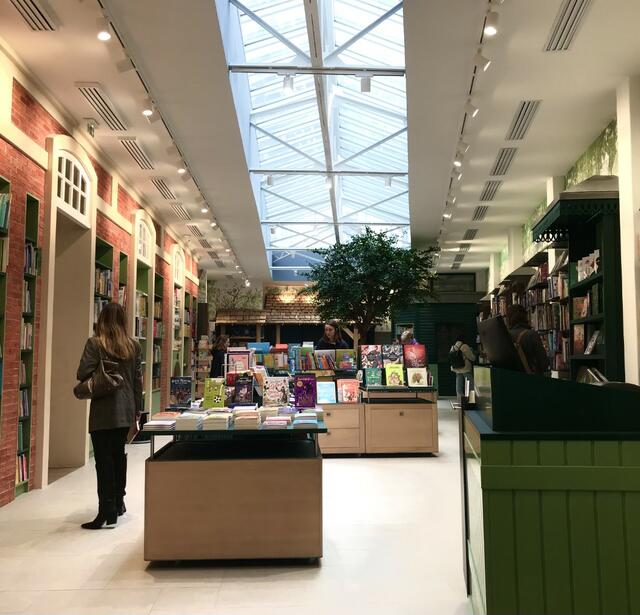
{"x":373,"y":376}
{"x":326,"y":392}
{"x":415,"y":355}
{"x":213,"y":393}
{"x":325,"y":359}
{"x":180,"y":391}
{"x":370,"y":355}
{"x":304,"y":391}
{"x":243,"y":390}
{"x":581,"y":307}
{"x":392,"y":353}
{"x":238,"y":361}
{"x":417,"y":377}
{"x":348,"y":391}
{"x":276,"y":391}
{"x":346,"y":358}
{"x":394,"y":375}
{"x":578,"y":339}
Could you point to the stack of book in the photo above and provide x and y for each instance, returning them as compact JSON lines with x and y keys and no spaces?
{"x":305,"y":420}
{"x":157,"y":309}
{"x":159,"y":425}
{"x":22,"y":471}
{"x":24,"y":408}
{"x":218,"y":420}
{"x":30,"y":259}
{"x":246,"y":417}
{"x":287,"y":411}
{"x":103,"y":282}
{"x":26,"y":335}
{"x":276,"y":422}
{"x":26,"y":298}
{"x":189,"y":421}
{"x":5,"y":201}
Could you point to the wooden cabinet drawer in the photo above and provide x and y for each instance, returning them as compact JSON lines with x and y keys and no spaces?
{"x":342,"y":416}
{"x":341,"y":440}
{"x":399,"y":428}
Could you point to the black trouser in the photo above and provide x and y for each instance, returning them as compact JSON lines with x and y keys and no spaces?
{"x":111,"y":465}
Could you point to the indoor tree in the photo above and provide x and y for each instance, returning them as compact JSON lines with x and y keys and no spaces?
{"x":364,"y":280}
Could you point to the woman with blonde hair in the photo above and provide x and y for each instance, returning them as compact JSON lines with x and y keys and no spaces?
{"x":112,"y":415}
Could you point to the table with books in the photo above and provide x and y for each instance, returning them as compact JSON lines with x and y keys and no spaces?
{"x":234,"y":484}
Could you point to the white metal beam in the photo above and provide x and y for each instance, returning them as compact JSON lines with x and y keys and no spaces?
{"x":370,"y":147}
{"x":328,"y":172}
{"x":292,"y":202}
{"x":290,"y":69}
{"x":291,"y":147}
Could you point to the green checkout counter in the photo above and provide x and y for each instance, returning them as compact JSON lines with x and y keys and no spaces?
{"x":551,"y":496}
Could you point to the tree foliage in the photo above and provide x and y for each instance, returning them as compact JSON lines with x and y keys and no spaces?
{"x":364,"y":280}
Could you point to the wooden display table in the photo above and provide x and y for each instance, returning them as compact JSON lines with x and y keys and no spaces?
{"x":246,"y":494}
{"x":345,"y":429}
{"x":401,"y":419}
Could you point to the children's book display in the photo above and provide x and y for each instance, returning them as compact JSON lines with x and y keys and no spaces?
{"x":394,"y":375}
{"x":180,"y":391}
{"x":243,"y":389}
{"x":392,"y":353}
{"x":371,"y":356}
{"x":304,"y":390}
{"x":276,"y":391}
{"x":417,"y":377}
{"x":348,"y":391}
{"x":415,"y":355}
{"x":346,"y":359}
{"x":372,"y":376}
{"x":393,"y":360}
{"x":326,"y":392}
{"x":214,"y":395}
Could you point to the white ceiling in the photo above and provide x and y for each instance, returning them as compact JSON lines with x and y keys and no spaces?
{"x":179,"y":54}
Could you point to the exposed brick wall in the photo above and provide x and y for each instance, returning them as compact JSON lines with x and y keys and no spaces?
{"x":127,"y":205}
{"x":24,"y":176}
{"x":104,"y":181}
{"x":169,"y":242}
{"x":31,"y":117}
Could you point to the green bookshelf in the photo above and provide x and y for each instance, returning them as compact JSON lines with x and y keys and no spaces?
{"x":103,"y":292}
{"x":141,"y":320}
{"x":176,"y":327}
{"x":27,"y":341}
{"x":123,"y":280}
{"x":186,"y":336}
{"x":158,"y":335}
{"x":5,"y":206}
{"x":590,"y":222}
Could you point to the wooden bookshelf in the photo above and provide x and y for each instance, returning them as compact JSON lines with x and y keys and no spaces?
{"x":158,"y":335}
{"x":27,"y":342}
{"x":123,"y":280}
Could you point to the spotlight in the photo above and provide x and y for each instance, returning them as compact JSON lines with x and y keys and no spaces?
{"x":213,"y":224}
{"x":491,"y":24}
{"x":269,"y":180}
{"x":204,"y":209}
{"x":387,"y":181}
{"x":237,"y":266}
{"x":148,"y":108}
{"x":471,"y":109}
{"x":447,"y":216}
{"x":328,"y":182}
{"x":481,"y":61}
{"x":365,"y":83}
{"x":247,"y":283}
{"x":458,"y":160}
{"x":458,"y":175}
{"x":104,"y":30}
{"x":287,"y":84}
{"x":463,"y":147}
{"x":227,"y":250}
{"x":182,"y":171}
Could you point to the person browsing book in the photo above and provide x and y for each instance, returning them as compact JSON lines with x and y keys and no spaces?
{"x":112,"y":415}
{"x":527,"y":340}
{"x":218,"y":351}
{"x":332,"y":338}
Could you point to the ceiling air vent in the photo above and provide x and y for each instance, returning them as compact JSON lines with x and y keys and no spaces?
{"x":205,"y":244}
{"x":470,"y":234}
{"x":464,"y":247}
{"x":521,"y":122}
{"x":213,"y":255}
{"x":96,"y":97}
{"x":180,"y":212}
{"x":220,"y":264}
{"x":503,"y":161}
{"x":137,"y":153}
{"x":194,"y":230}
{"x":35,"y":15}
{"x":566,"y":24}
{"x":480,"y":213}
{"x":490,"y":189}
{"x":163,"y":189}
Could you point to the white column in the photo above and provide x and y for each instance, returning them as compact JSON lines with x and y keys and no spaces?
{"x":555,"y":185}
{"x":494,"y":271}
{"x":514,"y":242}
{"x":628,"y":107}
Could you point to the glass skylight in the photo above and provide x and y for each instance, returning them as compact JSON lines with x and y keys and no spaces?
{"x":328,"y":156}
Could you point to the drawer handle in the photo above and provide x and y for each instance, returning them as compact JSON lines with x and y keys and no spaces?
{"x":401,"y":413}
{"x":328,"y":413}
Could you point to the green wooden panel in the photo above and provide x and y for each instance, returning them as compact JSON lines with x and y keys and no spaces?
{"x":528,"y":524}
{"x":630,"y":456}
{"x":583,"y":536}
{"x":496,"y":452}
{"x":502,"y":578}
{"x":555,"y":535}
{"x":611,"y":539}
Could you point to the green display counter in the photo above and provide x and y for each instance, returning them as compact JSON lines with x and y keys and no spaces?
{"x":552,"y":518}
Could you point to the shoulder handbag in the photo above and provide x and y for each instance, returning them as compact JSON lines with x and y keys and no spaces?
{"x":521,"y":354}
{"x":104,"y":380}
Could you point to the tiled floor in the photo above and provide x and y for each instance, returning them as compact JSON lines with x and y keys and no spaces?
{"x":392,"y":547}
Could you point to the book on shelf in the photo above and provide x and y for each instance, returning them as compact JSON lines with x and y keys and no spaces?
{"x":325,"y":359}
{"x":23,"y":373}
{"x":103,"y":282}
{"x":98,"y":305}
{"x":394,"y":375}
{"x":417,"y":377}
{"x":562,"y":261}
{"x":26,"y":335}
{"x":371,"y":355}
{"x":348,"y":390}
{"x":373,"y":376}
{"x":590,"y":375}
{"x":592,"y":342}
{"x":415,"y":355}
{"x":31,"y":259}
{"x":578,"y":339}
{"x":25,"y":407}
{"x":157,"y":353}
{"x":304,"y":390}
{"x":22,"y":471}
{"x":5,"y":208}
{"x":122,"y":295}
{"x":588,"y":266}
{"x":142,"y":305}
{"x":581,"y":307}
{"x":20,"y":436}
{"x":558,"y":286}
{"x":140,"y":327}
{"x":326,"y":392}
{"x":392,"y":353}
{"x":346,"y":358}
{"x":540,"y":276}
{"x":26,"y":297}
{"x":158,"y":329}
{"x":276,"y":391}
{"x":157,"y":309}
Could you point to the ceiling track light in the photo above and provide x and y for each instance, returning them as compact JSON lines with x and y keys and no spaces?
{"x":463,"y":147}
{"x":365,"y":83}
{"x":287,"y":84}
{"x":387,"y":181}
{"x":269,"y":180}
{"x":491,"y":23}
{"x":447,"y":216}
{"x":457,"y":174}
{"x":328,"y":182}
{"x":104,"y":30}
{"x":204,"y":209}
{"x":247,"y":283}
{"x":181,"y":170}
{"x":457,"y":162}
{"x":213,"y":224}
{"x":481,"y":61}
{"x":148,"y":108}
{"x":470,"y":109}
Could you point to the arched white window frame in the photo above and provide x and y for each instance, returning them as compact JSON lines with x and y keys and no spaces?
{"x":144,"y":241}
{"x":178,"y":266}
{"x":72,"y":189}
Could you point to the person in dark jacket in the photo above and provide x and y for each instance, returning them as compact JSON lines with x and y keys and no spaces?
{"x":111,"y":417}
{"x":332,"y":338}
{"x":528,"y":339}
{"x":218,"y":351}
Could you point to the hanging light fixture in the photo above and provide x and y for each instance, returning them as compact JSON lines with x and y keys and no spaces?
{"x":104,"y":30}
{"x":471,"y":109}
{"x":269,"y":180}
{"x":491,"y":23}
{"x":148,"y":107}
{"x":365,"y":83}
{"x":457,"y":162}
{"x":328,"y":182}
{"x":481,"y":61}
{"x":287,"y":84}
{"x":387,"y":181}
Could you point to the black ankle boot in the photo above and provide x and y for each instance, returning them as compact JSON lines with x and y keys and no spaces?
{"x":107,"y":516}
{"x":120,"y":508}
